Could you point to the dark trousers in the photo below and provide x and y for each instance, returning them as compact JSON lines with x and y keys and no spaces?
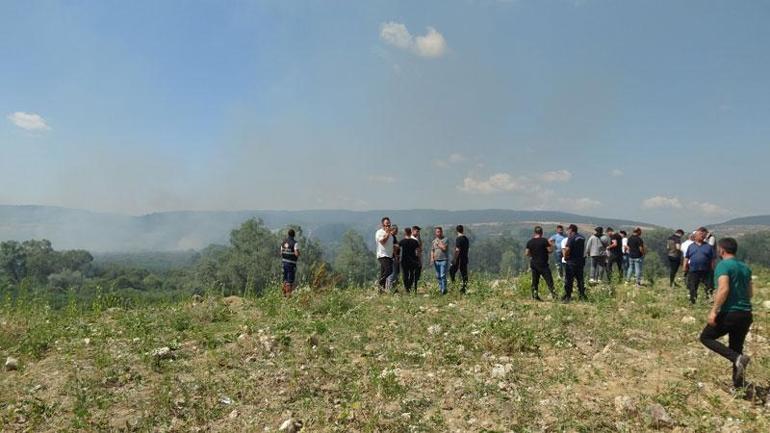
{"x":541,"y":270}
{"x":574,"y":271}
{"x":598,"y":267}
{"x":694,"y":279}
{"x":616,"y":260}
{"x":386,"y":268}
{"x":289,"y":272}
{"x":736,"y":325}
{"x":460,"y":264}
{"x":673,"y":268}
{"x":417,"y":273}
{"x":409,"y":271}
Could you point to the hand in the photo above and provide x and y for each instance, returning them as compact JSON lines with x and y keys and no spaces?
{"x":712,"y":320}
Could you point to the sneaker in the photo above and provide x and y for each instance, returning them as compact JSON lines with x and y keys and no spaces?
{"x":740,"y":365}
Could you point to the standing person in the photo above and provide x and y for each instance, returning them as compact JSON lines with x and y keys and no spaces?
{"x":383,"y":240}
{"x":289,"y":257}
{"x":408,"y":247}
{"x":438,"y":258}
{"x":699,"y":264}
{"x":596,"y":249}
{"x":731,"y":313}
{"x":574,"y":254}
{"x":636,"y":252}
{"x":556,"y":240}
{"x":538,"y":250}
{"x":685,"y":246}
{"x":674,"y":253}
{"x":615,"y":254}
{"x":624,"y":247}
{"x":460,"y":258}
{"x":392,"y":281}
{"x":418,"y":271}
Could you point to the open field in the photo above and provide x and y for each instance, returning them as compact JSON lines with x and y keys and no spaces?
{"x":349,"y":360}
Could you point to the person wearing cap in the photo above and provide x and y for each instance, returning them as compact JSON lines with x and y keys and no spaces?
{"x":731,"y":312}
{"x":674,"y":253}
{"x":596,"y":250}
{"x":699,"y":265}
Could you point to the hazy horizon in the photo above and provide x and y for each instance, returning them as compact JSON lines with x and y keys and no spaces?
{"x":655,"y":111}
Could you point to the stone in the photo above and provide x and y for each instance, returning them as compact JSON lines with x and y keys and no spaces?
{"x":688,"y":320}
{"x":291,"y":425}
{"x":766,"y":304}
{"x":87,"y":341}
{"x":624,"y":405}
{"x":659,"y":417}
{"x":11,"y":364}
{"x":162,"y":353}
{"x":434,"y":329}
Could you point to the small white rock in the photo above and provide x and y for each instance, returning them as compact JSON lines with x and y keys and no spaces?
{"x":87,"y":341}
{"x":689,"y":320}
{"x":11,"y":364}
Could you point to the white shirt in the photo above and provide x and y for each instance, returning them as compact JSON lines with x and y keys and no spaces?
{"x":382,"y":250}
{"x":685,"y":245}
{"x":564,"y":245}
{"x":625,"y":245}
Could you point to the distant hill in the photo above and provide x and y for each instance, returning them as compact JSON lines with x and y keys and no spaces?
{"x":740,"y":226}
{"x":177,"y":231}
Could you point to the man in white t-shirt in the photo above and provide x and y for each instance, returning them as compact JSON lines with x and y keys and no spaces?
{"x":383,"y":240}
{"x":685,"y":245}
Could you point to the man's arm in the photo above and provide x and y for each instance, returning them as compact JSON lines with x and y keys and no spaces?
{"x":719,"y":298}
{"x":383,"y":239}
{"x":565,"y":252}
{"x":442,"y":245}
{"x":549,"y":248}
{"x":296,"y":250}
{"x":527,"y":253}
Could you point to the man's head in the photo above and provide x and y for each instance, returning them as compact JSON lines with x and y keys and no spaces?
{"x":679,"y":233}
{"x":700,"y":234}
{"x":416,"y":231}
{"x":560,"y":229}
{"x":623,"y":233}
{"x":291,"y":233}
{"x":385,"y":221}
{"x":638,"y":231}
{"x":460,"y":229}
{"x":610,"y":231}
{"x":727,"y":247}
{"x":439,"y":232}
{"x":538,"y":231}
{"x":394,"y":229}
{"x":599,"y":231}
{"x":572,"y":229}
{"x":408,"y":232}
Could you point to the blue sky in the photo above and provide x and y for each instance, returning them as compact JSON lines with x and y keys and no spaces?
{"x":655,"y":111}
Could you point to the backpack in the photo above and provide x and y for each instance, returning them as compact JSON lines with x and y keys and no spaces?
{"x":672,"y":249}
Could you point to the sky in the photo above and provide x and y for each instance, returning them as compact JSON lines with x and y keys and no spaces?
{"x":656,"y":111}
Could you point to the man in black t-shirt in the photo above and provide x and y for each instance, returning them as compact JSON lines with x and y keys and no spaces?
{"x":460,"y":259}
{"x":636,"y":251}
{"x":409,"y":260}
{"x":538,"y":249}
{"x":615,"y":254}
{"x":574,"y":253}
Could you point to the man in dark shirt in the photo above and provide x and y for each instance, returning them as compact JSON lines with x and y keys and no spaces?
{"x":408,"y":247}
{"x":699,"y":263}
{"x":538,"y":249}
{"x":635,"y":247}
{"x":615,"y":252}
{"x":674,"y":254}
{"x":576,"y":262}
{"x":418,"y":270}
{"x":460,"y":259}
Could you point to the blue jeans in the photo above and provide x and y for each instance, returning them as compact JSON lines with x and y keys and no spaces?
{"x":440,"y":266}
{"x":635,"y":267}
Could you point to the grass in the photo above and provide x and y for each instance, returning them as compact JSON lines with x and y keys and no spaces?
{"x":351,"y":360}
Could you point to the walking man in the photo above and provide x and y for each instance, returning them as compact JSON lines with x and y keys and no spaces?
{"x":731,"y":313}
{"x":574,"y":253}
{"x":699,"y":263}
{"x":438,"y":258}
{"x":383,"y":240}
{"x":418,"y":270}
{"x":408,"y":247}
{"x":289,"y":257}
{"x":636,"y":252}
{"x":460,"y":258}
{"x":538,"y":250}
{"x":674,"y":253}
{"x":556,"y":240}
{"x":615,"y":254}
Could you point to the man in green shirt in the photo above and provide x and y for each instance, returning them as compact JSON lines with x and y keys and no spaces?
{"x":731,"y":313}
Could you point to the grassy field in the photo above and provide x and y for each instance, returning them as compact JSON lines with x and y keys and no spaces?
{"x":349,"y":361}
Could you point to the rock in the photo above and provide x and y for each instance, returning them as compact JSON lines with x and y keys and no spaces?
{"x":434,"y":329}
{"x":234,"y":414}
{"x":499,"y":371}
{"x":313,"y":340}
{"x":688,"y":320}
{"x":268,"y":343}
{"x":766,"y":304}
{"x":225,"y":400}
{"x":291,"y":425}
{"x":233,"y":301}
{"x":624,"y":405}
{"x":11,"y":364}
{"x":659,"y":417}
{"x":243,"y":338}
{"x":162,"y":353}
{"x":87,"y":341}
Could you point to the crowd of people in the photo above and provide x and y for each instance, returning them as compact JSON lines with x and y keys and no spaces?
{"x":706,"y":262}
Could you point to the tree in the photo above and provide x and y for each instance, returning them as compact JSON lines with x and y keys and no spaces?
{"x":12,"y":261}
{"x":354,"y":261}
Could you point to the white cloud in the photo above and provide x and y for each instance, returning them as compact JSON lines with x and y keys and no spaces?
{"x":616,"y":172}
{"x":579,"y":204}
{"x":500,"y":182}
{"x":661,"y":202}
{"x":28,"y":121}
{"x":556,"y":176}
{"x":432,"y":44}
{"x":454,"y":158}
{"x":708,"y":208}
{"x":382,"y":179}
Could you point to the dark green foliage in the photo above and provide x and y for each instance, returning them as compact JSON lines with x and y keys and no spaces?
{"x":754,"y":248}
{"x":354,"y":262}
